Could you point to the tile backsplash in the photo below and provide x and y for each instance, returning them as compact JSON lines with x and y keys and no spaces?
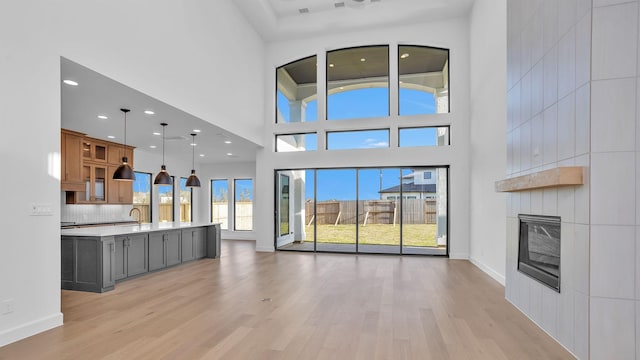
{"x":93,"y":213}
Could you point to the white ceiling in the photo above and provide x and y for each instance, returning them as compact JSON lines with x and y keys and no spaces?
{"x":282,"y":19}
{"x":98,"y":95}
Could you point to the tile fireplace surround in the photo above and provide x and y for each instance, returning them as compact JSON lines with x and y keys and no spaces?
{"x":572,"y":101}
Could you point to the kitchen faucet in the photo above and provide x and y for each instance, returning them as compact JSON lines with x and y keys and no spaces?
{"x":139,"y":214}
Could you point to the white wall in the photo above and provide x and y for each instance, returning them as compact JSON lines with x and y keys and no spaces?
{"x":199,"y":56}
{"x":229,"y":171}
{"x":452,"y":34}
{"x":488,"y":147}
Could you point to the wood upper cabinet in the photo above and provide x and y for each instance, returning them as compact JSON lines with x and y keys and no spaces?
{"x":94,"y":150}
{"x":115,"y":154}
{"x":87,"y":167}
{"x":71,"y":161}
{"x":119,"y":192}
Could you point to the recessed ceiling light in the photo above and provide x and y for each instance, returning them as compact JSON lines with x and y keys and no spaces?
{"x":196,"y":130}
{"x":363,"y":59}
{"x":157,"y":133}
{"x":400,"y":82}
{"x":70,"y":82}
{"x":227,"y":141}
{"x":149,"y":112}
{"x":193,"y":144}
{"x":152,"y":146}
{"x":331,"y":65}
{"x":201,"y":155}
{"x":229,"y":154}
{"x":404,"y":56}
{"x":103,"y":117}
{"x":341,"y":88}
{"x":111,"y":137}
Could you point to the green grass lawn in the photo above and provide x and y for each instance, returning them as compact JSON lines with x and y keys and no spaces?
{"x":376,"y":234}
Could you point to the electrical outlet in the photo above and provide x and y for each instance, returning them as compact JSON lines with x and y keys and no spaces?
{"x":7,"y":306}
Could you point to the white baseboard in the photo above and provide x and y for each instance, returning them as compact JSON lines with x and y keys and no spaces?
{"x":459,"y":256}
{"x":31,"y":328}
{"x":264,"y":248}
{"x":238,"y":235}
{"x":489,"y":271}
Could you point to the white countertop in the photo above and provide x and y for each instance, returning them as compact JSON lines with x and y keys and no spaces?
{"x":112,"y":230}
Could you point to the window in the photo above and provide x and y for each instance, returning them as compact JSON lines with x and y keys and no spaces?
{"x":423,"y":136}
{"x":186,"y":201}
{"x":358,"y":82}
{"x":165,"y":192}
{"x":296,"y":91}
{"x":142,"y":196}
{"x":243,"y":204}
{"x":296,"y":142}
{"x":361,"y":139}
{"x":220,"y":203}
{"x":390,"y":210}
{"x":423,"y":75}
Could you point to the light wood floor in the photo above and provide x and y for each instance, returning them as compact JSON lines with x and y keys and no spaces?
{"x":318,"y":306}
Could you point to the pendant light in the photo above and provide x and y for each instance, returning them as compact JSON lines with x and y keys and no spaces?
{"x":193,"y":180}
{"x":124,"y":172}
{"x":163,"y":177}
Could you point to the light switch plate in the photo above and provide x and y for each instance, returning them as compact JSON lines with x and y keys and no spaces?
{"x":6,"y":307}
{"x":41,"y":209}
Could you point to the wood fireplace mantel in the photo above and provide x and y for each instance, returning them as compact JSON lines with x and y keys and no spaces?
{"x":561,"y":176}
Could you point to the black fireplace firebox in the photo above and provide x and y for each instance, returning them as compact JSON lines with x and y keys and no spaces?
{"x":539,"y":249}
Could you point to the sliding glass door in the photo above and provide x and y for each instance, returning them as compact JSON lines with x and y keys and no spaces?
{"x":364,"y":210}
{"x":378,"y":214}
{"x":336,"y":210}
{"x":424,"y":211}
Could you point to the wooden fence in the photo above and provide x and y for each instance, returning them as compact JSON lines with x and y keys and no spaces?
{"x":415,"y":211}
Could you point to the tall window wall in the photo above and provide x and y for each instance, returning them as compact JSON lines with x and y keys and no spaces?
{"x":166,"y":197}
{"x":378,"y":99}
{"x":243,"y":204}
{"x":220,"y":202}
{"x":142,"y":196}
{"x":186,"y":201}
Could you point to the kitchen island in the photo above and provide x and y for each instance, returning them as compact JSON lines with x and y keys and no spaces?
{"x":95,"y":258}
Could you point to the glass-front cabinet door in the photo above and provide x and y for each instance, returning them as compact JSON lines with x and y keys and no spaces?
{"x":94,"y":178}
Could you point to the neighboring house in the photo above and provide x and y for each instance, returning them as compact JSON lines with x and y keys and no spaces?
{"x":420,"y":184}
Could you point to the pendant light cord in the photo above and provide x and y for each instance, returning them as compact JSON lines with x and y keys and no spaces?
{"x":124,"y":144}
{"x":193,"y":152}
{"x":163,"y":126}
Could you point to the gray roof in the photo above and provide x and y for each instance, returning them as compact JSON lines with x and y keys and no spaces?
{"x":425,"y":188}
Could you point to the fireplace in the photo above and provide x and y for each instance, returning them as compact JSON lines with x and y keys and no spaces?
{"x":539,"y":249}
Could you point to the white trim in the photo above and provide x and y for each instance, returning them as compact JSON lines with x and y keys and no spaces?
{"x":238,"y":235}
{"x":31,"y":328}
{"x":489,"y":271}
{"x":264,"y":249}
{"x":459,"y":256}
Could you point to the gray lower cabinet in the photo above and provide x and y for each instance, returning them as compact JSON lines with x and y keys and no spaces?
{"x":164,"y":249}
{"x":131,"y":255}
{"x":95,"y":263}
{"x":194,"y":243}
{"x":88,"y":263}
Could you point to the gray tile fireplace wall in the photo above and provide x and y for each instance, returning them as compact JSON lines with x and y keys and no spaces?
{"x":573,"y":100}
